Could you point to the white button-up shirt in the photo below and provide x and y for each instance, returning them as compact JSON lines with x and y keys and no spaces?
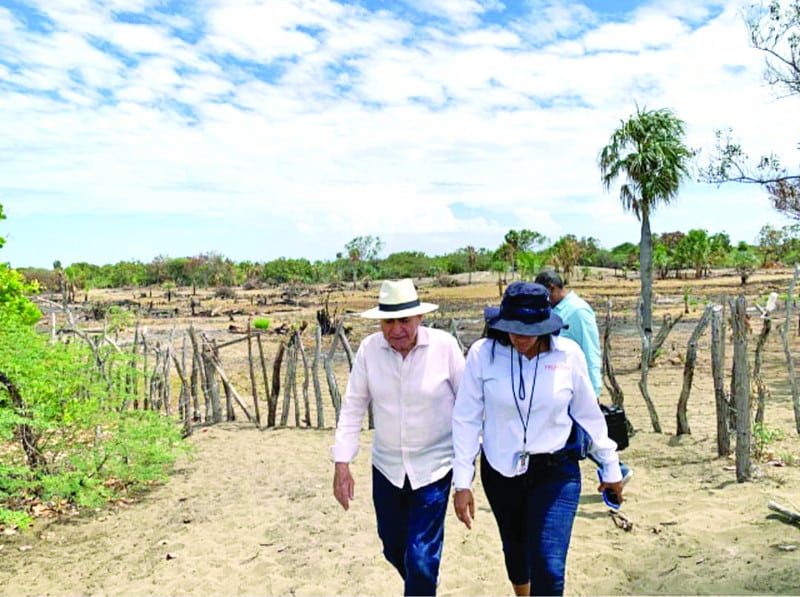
{"x":412,"y":405}
{"x":487,"y":403}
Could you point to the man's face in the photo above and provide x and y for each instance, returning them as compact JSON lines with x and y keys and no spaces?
{"x":401,"y":334}
{"x":555,"y":295}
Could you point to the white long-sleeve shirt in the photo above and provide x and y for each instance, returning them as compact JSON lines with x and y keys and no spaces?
{"x":412,"y":404}
{"x":486,"y":404}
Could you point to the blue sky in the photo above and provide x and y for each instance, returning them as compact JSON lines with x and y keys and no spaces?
{"x":262,"y":129}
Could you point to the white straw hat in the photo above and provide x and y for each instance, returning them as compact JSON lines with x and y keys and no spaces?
{"x":397,"y":299}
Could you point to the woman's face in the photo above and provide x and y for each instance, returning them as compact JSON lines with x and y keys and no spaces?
{"x":524,"y":344}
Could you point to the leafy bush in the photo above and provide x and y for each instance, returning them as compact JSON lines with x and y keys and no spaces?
{"x":13,"y":288}
{"x":763,"y":437}
{"x":262,"y":323}
{"x":64,"y":433}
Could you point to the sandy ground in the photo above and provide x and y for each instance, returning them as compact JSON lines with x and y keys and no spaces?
{"x":251,"y":512}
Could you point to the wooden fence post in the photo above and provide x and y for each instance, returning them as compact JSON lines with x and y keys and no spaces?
{"x":263,"y":367}
{"x":741,"y":389}
{"x":276,"y":385}
{"x":718,"y":373}
{"x":288,"y":381}
{"x":758,"y":361}
{"x":789,"y":361}
{"x":688,"y":373}
{"x":315,"y":374}
{"x":253,"y":386}
{"x":332,"y":387}
{"x":306,"y":407}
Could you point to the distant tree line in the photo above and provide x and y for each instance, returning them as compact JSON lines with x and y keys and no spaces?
{"x":523,"y":253}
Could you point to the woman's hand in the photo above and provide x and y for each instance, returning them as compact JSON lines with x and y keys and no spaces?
{"x":465,"y":506}
{"x":615,"y":487}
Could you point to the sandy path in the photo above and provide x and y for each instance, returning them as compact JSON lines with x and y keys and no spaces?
{"x":251,"y":513}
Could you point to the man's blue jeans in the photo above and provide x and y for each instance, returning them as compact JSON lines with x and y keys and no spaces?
{"x":534,"y":514}
{"x":411,"y":527}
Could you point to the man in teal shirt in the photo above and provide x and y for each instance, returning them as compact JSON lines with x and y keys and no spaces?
{"x":580,"y":317}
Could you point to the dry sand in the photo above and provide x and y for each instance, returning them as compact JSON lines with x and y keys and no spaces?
{"x":251,"y":513}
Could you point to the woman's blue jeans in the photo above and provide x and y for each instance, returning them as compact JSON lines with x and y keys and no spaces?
{"x":534,"y":514}
{"x":411,"y":527}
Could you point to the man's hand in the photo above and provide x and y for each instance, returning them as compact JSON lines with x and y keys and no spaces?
{"x":343,"y":484}
{"x":465,"y":506}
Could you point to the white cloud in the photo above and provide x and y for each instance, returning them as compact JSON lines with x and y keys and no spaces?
{"x":461,"y":12}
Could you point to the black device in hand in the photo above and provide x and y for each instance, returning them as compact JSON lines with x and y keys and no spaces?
{"x":610,"y":496}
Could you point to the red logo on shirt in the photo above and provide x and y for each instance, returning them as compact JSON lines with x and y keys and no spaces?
{"x":556,"y":366}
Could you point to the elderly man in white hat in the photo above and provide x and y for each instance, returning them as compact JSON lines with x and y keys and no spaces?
{"x":410,"y":374}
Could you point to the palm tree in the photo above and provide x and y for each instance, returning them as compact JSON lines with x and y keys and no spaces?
{"x":647,"y":151}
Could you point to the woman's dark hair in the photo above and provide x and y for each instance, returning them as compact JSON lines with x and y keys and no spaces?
{"x":496,"y":336}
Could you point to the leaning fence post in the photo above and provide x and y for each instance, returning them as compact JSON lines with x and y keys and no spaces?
{"x":315,"y":374}
{"x":276,"y":385}
{"x":332,"y":387}
{"x":251,"y":367}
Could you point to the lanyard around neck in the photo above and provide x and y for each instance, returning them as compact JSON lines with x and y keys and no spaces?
{"x":521,"y":388}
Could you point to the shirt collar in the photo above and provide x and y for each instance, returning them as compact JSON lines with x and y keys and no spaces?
{"x":557,"y":343}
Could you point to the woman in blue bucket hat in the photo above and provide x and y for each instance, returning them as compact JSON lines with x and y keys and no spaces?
{"x":523,"y":389}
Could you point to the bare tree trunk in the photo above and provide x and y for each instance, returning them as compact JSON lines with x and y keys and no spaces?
{"x":741,"y":389}
{"x":251,"y":367}
{"x":651,"y":408}
{"x":789,"y":361}
{"x":718,"y":372}
{"x":688,"y":373}
{"x":758,"y":379}
{"x":315,"y":374}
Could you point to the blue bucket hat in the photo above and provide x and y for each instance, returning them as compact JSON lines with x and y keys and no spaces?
{"x":525,"y":311}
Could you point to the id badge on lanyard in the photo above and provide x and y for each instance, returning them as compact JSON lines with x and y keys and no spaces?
{"x":522,"y":463}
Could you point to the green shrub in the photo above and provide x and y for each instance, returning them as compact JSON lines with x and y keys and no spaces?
{"x":84,"y":447}
{"x":262,"y":323}
{"x":763,"y":436}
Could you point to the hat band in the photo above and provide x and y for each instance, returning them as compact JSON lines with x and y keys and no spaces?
{"x":398,"y":306}
{"x":524,"y":314}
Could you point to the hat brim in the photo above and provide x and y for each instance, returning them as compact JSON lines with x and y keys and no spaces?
{"x":551,"y":325}
{"x":378,"y":313}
